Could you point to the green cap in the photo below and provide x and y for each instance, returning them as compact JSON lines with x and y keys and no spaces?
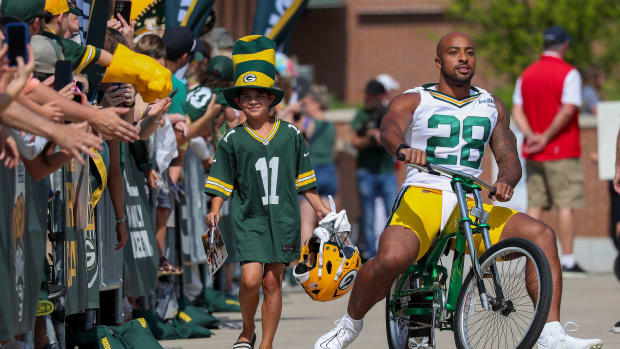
{"x":223,"y":66}
{"x":25,"y":10}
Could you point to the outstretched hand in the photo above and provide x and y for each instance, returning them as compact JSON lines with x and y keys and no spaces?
{"x":213,"y":109}
{"x":14,"y":79}
{"x":111,"y":126}
{"x":76,"y":139}
{"x":157,"y":108}
{"x":8,"y":150}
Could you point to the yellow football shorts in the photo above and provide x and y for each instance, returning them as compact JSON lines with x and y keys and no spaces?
{"x":420,"y":209}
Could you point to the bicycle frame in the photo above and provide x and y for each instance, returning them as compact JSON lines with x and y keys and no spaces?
{"x":430,"y":275}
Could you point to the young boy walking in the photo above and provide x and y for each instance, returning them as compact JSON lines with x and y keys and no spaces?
{"x":261,"y":166}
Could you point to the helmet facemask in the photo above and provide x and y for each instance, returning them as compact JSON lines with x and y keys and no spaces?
{"x":328,"y":265}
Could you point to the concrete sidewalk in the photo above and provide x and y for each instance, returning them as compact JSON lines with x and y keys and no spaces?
{"x":593,"y":303}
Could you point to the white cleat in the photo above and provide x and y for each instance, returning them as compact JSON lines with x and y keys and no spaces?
{"x":561,"y":340}
{"x":339,"y":337}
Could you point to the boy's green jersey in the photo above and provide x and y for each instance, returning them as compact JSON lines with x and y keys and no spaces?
{"x":263,"y":177}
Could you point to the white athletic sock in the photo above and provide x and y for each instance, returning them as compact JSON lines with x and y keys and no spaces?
{"x":551,"y":328}
{"x":357,"y":324}
{"x":568,"y":260}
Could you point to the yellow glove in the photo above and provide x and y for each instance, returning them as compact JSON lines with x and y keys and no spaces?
{"x":148,"y":77}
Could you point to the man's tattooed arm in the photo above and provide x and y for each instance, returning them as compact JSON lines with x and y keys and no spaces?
{"x":504,"y":146}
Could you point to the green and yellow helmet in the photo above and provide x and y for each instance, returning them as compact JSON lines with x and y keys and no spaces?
{"x":328,"y":265}
{"x":254,"y":59}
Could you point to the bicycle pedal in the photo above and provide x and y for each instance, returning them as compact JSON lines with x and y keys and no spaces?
{"x":480,"y":213}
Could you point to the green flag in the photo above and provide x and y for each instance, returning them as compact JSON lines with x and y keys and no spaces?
{"x":141,"y":254}
{"x":198,"y":15}
{"x":276,"y":19}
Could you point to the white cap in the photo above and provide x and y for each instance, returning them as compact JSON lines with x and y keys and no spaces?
{"x":388,"y":82}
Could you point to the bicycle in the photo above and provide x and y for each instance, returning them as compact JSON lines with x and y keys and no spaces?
{"x":487,"y":309}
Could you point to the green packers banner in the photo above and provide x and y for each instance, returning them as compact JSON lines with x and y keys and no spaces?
{"x":198,"y":15}
{"x":22,"y":249}
{"x":76,"y":180}
{"x":193,"y":210}
{"x":91,"y":258}
{"x":276,"y":19}
{"x":141,"y":254}
{"x":94,"y":34}
{"x":111,"y":261}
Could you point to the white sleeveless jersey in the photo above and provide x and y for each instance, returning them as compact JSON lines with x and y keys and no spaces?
{"x":454,"y":133}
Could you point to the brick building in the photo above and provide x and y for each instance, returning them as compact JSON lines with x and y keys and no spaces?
{"x":350,"y":41}
{"x":370,"y":37}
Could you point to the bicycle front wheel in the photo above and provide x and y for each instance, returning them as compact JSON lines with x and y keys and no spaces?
{"x":519,"y":300}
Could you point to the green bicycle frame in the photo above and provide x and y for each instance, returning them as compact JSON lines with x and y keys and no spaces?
{"x":431,"y":273}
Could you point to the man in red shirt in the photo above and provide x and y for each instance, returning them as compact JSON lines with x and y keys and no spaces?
{"x":546,"y":105}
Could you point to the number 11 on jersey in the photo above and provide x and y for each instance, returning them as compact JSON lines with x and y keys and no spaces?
{"x":261,"y":166}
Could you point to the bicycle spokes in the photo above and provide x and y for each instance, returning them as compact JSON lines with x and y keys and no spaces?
{"x":511,"y":299}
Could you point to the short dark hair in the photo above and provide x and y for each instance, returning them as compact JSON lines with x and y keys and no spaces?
{"x":552,"y":46}
{"x":4,"y":20}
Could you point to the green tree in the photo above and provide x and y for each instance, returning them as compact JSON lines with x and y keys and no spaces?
{"x":509,"y":32}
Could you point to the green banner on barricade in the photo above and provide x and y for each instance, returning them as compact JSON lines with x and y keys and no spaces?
{"x":194,"y":210}
{"x":22,"y":249}
{"x":92,"y":258}
{"x":6,"y":247}
{"x":141,"y":254}
{"x":110,"y":265}
{"x":77,"y":181}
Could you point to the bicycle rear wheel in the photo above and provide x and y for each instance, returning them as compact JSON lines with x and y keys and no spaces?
{"x":514,"y":319}
{"x":400,"y":327}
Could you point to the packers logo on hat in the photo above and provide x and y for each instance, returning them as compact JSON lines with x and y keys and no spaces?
{"x":249,"y":77}
{"x":254,"y":59}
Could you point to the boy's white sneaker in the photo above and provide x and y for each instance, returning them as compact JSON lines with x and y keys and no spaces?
{"x":561,"y":340}
{"x":339,"y":337}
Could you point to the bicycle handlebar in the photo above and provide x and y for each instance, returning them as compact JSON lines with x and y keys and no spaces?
{"x":439,"y":170}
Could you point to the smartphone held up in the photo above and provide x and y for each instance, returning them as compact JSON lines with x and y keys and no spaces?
{"x":122,"y":7}
{"x":17,"y":40}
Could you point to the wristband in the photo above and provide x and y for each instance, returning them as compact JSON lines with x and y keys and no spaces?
{"x":399,"y":156}
{"x":402,"y":146}
{"x":120,"y":220}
